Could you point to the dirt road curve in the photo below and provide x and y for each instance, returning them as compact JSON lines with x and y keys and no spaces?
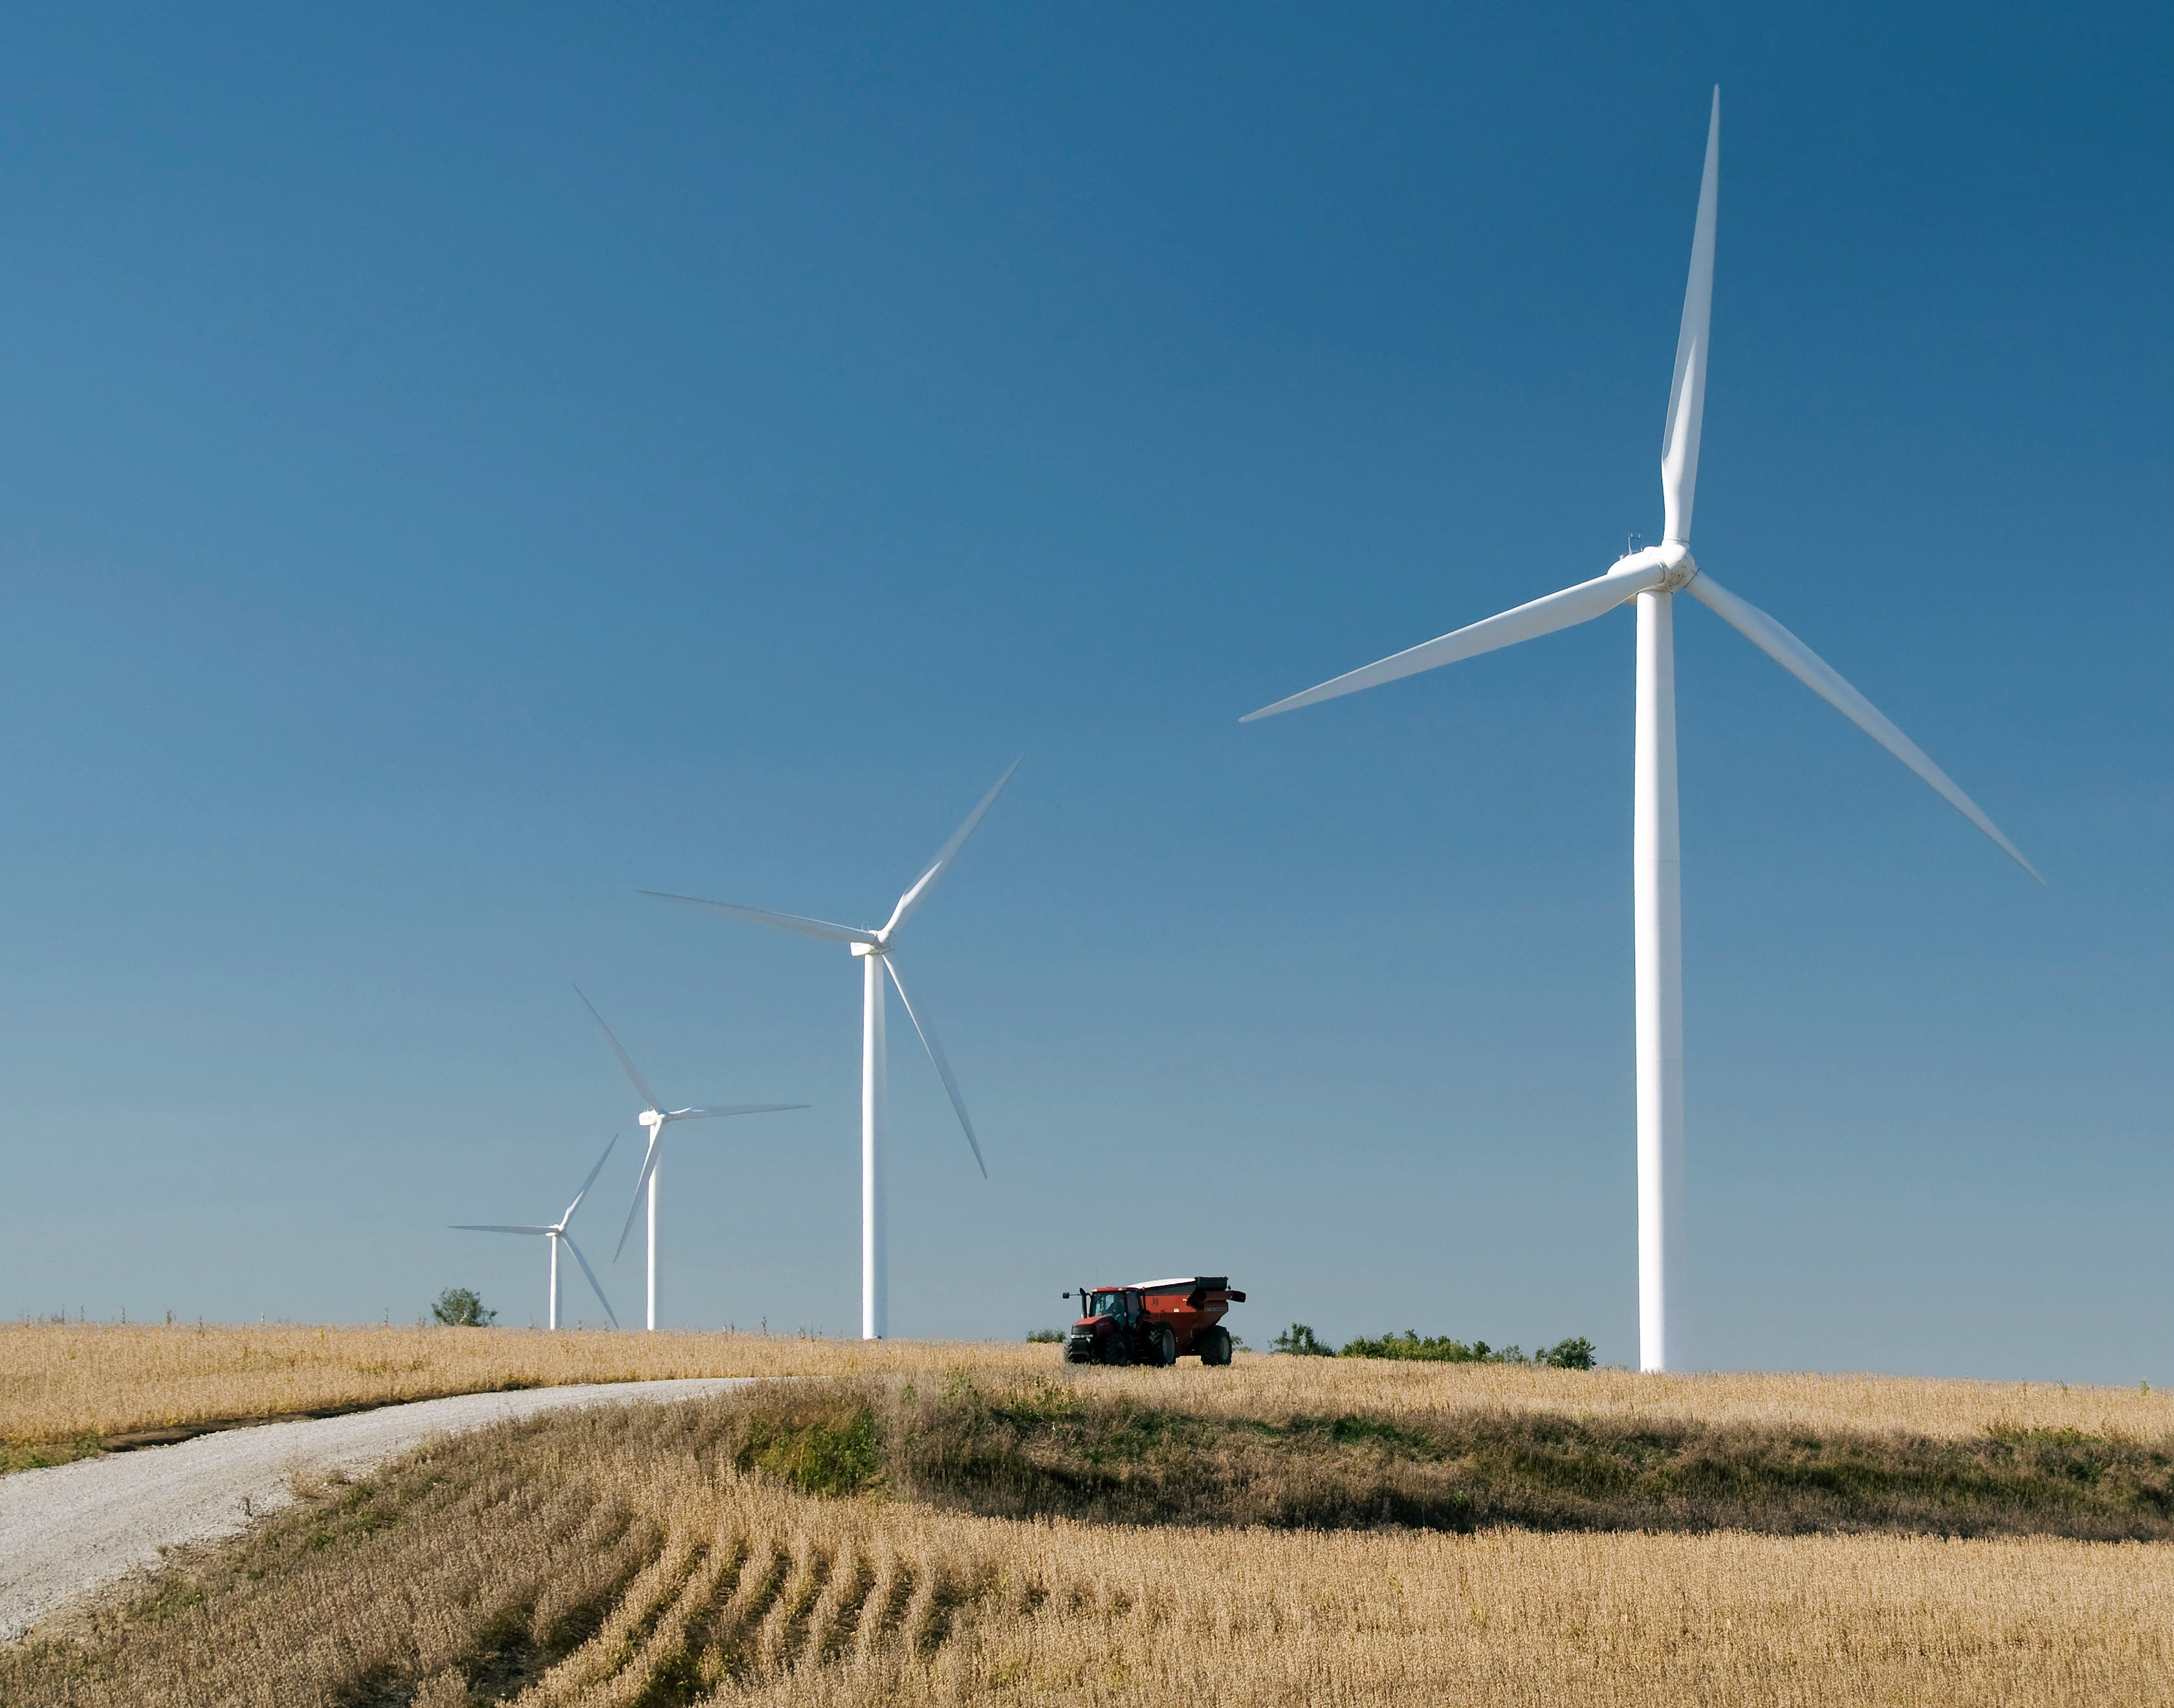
{"x":72,"y":1528}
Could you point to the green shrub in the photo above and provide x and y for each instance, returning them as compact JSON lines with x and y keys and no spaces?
{"x":1298,"y":1339}
{"x":1574,"y":1353}
{"x":1045,"y":1337}
{"x":459,"y":1307}
{"x":819,"y":1448}
{"x":1433,"y":1349}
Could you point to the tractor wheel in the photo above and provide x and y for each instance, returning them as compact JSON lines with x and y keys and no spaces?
{"x":1162,"y":1348}
{"x":1117,"y":1350}
{"x":1214,"y":1345}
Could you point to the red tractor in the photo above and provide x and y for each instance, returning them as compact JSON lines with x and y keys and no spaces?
{"x":1154,"y":1322}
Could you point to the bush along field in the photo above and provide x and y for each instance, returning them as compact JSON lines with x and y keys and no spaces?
{"x":1120,"y":1537}
{"x":1574,"y":1353}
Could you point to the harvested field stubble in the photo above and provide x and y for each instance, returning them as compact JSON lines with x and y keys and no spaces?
{"x":641,"y":1556}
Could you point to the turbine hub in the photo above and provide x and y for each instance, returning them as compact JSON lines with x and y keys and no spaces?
{"x":1672,"y":558}
{"x":650,"y":1118}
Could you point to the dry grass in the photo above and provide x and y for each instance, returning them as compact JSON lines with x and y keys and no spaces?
{"x":66,"y":1383}
{"x":1289,"y":1387}
{"x":66,"y":1387}
{"x":621,"y":1558}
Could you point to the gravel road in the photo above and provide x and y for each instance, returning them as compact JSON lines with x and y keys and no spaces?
{"x":71,"y":1528}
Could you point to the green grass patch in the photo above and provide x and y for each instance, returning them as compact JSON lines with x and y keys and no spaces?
{"x":819,"y":1446}
{"x":1064,"y":1450}
{"x":21,"y":1453}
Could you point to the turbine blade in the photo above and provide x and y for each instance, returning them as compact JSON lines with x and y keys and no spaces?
{"x":1563,"y":610}
{"x":588,"y":1183}
{"x":648,"y":1163}
{"x":943,"y":1067}
{"x":596,"y":1285}
{"x":1807,"y":666}
{"x":820,"y":929}
{"x":625,"y":1061}
{"x":734,"y":1109}
{"x":1679,"y":434}
{"x":495,"y":1228}
{"x":917,"y":892}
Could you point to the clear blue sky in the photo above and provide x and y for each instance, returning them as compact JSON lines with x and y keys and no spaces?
{"x":459,"y":466}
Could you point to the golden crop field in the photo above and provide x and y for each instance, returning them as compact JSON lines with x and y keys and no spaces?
{"x":63,"y":1383}
{"x":74,"y":1383}
{"x":614,"y":1558}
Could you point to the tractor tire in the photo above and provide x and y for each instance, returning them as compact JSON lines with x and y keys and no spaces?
{"x":1117,"y":1350}
{"x":1162,"y":1348}
{"x":1214,"y":1344}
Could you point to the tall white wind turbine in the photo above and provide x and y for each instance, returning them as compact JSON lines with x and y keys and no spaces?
{"x":878,"y":951}
{"x":1653,"y":578}
{"x":557,"y":1236}
{"x":654,"y":1118}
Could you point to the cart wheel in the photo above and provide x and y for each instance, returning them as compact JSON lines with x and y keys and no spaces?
{"x":1162,"y":1348}
{"x":1214,"y":1345}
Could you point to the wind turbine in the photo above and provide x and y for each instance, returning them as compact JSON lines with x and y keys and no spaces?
{"x":557,"y":1236}
{"x":654,"y":1119}
{"x":1652,"y":577}
{"x":877,"y":951}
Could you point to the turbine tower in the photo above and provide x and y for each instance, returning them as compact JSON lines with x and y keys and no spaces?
{"x":1653,"y":578}
{"x":877,"y":951}
{"x":654,"y":1119}
{"x":557,"y":1236}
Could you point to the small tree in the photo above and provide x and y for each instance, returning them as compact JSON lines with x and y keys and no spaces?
{"x":459,"y":1307}
{"x":1298,"y":1339}
{"x":1574,"y":1353}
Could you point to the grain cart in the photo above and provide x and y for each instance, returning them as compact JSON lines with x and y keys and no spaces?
{"x":1154,"y":1322}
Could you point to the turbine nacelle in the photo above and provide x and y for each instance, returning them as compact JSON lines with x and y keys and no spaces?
{"x":1660,"y":568}
{"x":867,"y":948}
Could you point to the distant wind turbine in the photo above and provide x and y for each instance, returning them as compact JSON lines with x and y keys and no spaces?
{"x":878,"y":951}
{"x":654,"y":1118}
{"x":557,"y":1236}
{"x":1652,"y":577}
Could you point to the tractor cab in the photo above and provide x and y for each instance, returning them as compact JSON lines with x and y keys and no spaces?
{"x":1155,"y":1323}
{"x":1115,"y":1306}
